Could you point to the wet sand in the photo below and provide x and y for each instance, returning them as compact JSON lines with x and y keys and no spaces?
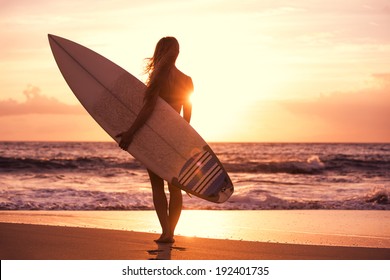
{"x":23,"y":241}
{"x":201,"y":235}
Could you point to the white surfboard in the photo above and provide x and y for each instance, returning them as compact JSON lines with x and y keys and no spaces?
{"x":166,"y":144}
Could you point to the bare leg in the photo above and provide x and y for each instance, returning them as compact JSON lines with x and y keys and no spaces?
{"x":175,"y":206}
{"x":160,"y":205}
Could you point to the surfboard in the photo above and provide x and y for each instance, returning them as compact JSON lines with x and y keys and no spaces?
{"x":166,"y":144}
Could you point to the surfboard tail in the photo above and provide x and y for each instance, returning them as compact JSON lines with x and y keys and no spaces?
{"x":203,"y":175}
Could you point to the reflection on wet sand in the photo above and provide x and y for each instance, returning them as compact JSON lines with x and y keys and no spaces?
{"x":164,"y":251}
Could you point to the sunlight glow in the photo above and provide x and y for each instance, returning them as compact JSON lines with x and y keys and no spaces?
{"x":256,"y":65}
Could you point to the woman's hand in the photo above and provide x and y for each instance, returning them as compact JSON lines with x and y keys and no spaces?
{"x":126,"y":139}
{"x":143,"y":115}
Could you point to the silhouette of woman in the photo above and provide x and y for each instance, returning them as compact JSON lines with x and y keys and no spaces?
{"x":169,"y":83}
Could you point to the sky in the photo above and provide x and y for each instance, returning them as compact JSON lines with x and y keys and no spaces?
{"x":264,"y":71}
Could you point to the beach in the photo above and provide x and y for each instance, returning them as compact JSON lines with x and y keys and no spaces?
{"x":90,"y":200}
{"x":239,"y":235}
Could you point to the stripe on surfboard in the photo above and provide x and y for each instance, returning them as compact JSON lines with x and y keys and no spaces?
{"x":203,"y":184}
{"x":194,"y":168}
{"x":210,"y":181}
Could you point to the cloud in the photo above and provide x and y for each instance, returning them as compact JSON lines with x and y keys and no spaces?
{"x":36,"y":103}
{"x":42,"y":118}
{"x":51,"y":128}
{"x":363,"y":114}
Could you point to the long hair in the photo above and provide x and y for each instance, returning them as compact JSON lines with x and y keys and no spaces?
{"x":159,"y":66}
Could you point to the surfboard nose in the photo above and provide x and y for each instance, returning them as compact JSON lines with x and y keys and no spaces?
{"x":52,"y":37}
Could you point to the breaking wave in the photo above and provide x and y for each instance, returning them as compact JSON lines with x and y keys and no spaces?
{"x":64,"y":199}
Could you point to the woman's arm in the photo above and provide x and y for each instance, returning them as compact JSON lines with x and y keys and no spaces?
{"x":187,"y":111}
{"x":142,"y":117}
{"x":187,"y":106}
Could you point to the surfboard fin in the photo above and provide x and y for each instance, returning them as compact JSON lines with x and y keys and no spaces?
{"x":189,"y":194}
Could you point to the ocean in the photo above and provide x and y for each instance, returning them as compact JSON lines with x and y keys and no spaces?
{"x":100,"y":176}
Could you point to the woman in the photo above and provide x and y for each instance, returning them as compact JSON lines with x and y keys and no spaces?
{"x":167,"y":82}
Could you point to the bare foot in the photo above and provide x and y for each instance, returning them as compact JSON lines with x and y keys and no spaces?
{"x":165,"y":239}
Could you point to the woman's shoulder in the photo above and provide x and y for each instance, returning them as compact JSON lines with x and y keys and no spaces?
{"x":183,"y":78}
